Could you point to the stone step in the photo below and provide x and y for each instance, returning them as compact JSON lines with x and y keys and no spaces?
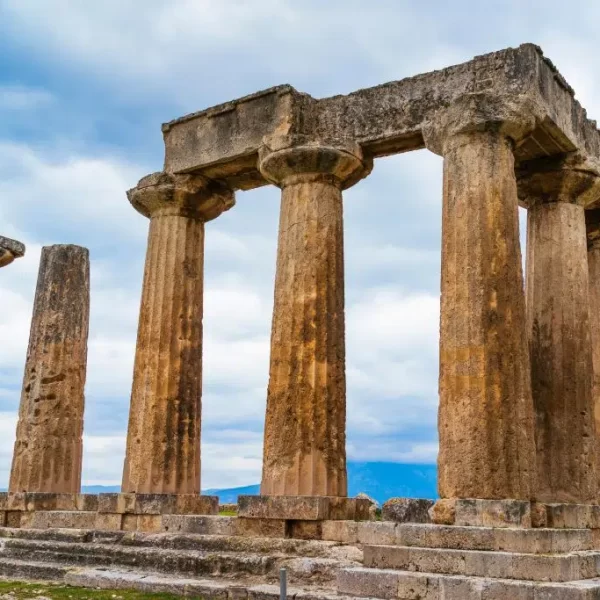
{"x":208,"y":589}
{"x":113,"y":579}
{"x":209,"y":543}
{"x":31,"y":570}
{"x":501,"y":565}
{"x":529,"y":541}
{"x":404,"y":585}
{"x":182,"y":562}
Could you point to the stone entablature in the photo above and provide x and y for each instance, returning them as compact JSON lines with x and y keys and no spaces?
{"x":223,"y":142}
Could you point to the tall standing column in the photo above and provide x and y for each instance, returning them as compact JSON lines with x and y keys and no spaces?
{"x":163,"y":438}
{"x":48,"y":448}
{"x":486,"y":412}
{"x":559,"y":330}
{"x":305,"y":427}
{"x":593,"y":261}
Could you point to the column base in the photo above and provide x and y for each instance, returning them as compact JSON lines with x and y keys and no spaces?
{"x":470,"y":512}
{"x":131,"y":512}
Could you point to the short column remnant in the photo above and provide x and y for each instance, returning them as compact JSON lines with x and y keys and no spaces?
{"x":163,"y":438}
{"x":305,"y":426}
{"x":9,"y":250}
{"x":48,"y":448}
{"x":485,"y":423}
{"x":555,"y":190}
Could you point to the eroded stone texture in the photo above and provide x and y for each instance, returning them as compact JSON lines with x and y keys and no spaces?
{"x":48,"y":448}
{"x":305,"y":427}
{"x":9,"y":250}
{"x":486,"y":411}
{"x":163,"y":439}
{"x":559,"y":330}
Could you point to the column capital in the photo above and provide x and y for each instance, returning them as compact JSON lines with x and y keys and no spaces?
{"x":9,"y":250}
{"x":572,"y":178}
{"x":187,"y":195}
{"x":470,"y":114}
{"x":285,"y":160}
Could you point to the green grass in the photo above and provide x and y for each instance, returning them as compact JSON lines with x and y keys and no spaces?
{"x":227,"y":513}
{"x":29,"y":591}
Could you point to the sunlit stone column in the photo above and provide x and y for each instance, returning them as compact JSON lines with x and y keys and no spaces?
{"x":48,"y":448}
{"x":559,"y":328}
{"x":486,"y":411}
{"x":163,"y":439}
{"x":305,"y":427}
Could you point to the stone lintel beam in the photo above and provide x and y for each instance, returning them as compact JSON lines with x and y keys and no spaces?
{"x":486,"y":411}
{"x":223,"y":142}
{"x":163,"y":437}
{"x":9,"y":250}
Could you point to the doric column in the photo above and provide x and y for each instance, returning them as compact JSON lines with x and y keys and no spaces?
{"x":48,"y":448}
{"x":555,"y":191}
{"x":593,"y":261}
{"x":9,"y":250}
{"x":163,"y":438}
{"x":305,"y":427}
{"x":486,"y":411}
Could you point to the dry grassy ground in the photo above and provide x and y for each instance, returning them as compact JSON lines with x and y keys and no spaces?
{"x":14,"y":590}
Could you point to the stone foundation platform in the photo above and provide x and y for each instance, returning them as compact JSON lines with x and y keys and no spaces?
{"x":130,"y":512}
{"x":128,"y":541}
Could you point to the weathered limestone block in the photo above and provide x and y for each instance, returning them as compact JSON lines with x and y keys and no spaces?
{"x":486,"y":410}
{"x":9,"y":250}
{"x":407,"y":510}
{"x":555,"y":191}
{"x":163,"y":438}
{"x":303,"y":508}
{"x":492,"y":513}
{"x":48,"y":448}
{"x":305,"y":426}
{"x":158,"y":504}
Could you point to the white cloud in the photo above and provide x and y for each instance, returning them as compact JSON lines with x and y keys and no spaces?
{"x":117,"y":65}
{"x":21,"y":98}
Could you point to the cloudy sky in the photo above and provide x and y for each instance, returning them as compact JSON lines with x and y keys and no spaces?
{"x":84,"y":88}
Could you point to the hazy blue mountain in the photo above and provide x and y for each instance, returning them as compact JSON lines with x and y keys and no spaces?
{"x":229,"y":496}
{"x":380,"y":480}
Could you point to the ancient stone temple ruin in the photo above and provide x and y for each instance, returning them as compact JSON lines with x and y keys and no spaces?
{"x":519,"y":463}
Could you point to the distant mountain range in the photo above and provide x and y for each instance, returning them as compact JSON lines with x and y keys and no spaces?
{"x":380,"y":480}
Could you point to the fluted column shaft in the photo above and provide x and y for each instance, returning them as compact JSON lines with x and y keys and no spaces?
{"x":594,"y":287}
{"x":305,"y":427}
{"x":561,"y":352}
{"x":48,"y":447}
{"x":485,"y":412}
{"x":593,"y":262}
{"x":163,"y":438}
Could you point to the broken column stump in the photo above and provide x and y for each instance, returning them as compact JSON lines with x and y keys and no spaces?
{"x":48,"y":448}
